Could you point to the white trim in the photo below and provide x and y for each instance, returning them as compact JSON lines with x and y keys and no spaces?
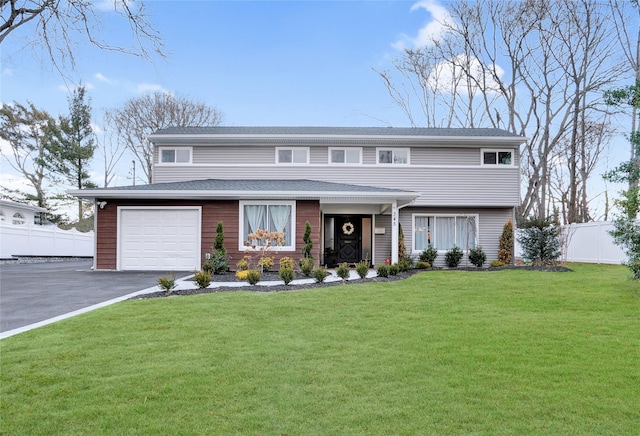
{"x":345,"y":163}
{"x":119,"y":229}
{"x":307,"y":150}
{"x":324,"y":165}
{"x":161,"y":149}
{"x":414,"y":251}
{"x":497,"y":164}
{"x":393,"y":150}
{"x":241,"y":240}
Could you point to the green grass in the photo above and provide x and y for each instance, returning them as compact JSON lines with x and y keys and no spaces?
{"x":444,"y":352}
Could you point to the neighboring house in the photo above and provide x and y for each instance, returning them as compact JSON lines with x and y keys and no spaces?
{"x":355,"y":186}
{"x":19,"y":214}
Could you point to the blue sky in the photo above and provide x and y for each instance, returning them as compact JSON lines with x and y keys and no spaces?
{"x":259,"y":62}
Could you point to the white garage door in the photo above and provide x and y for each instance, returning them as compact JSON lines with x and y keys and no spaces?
{"x":166,"y":239}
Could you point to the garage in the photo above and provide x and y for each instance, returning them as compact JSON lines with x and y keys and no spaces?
{"x":159,"y":238}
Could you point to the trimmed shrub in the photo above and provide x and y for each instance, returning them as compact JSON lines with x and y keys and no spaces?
{"x":496,"y":264}
{"x":308,"y":243}
{"x":167,"y":282}
{"x":423,"y":265}
{"x":453,"y":257}
{"x":402,"y":248}
{"x":394,"y":269}
{"x":320,"y":273}
{"x":405,"y":264}
{"x":540,"y":240}
{"x":429,"y":254}
{"x":253,"y":276}
{"x":362,"y":268}
{"x":286,"y":275}
{"x":343,"y":271}
{"x":218,"y":263}
{"x":266,"y":263}
{"x":477,"y":256}
{"x":306,"y":266}
{"x":505,"y":244}
{"x":287,"y":262}
{"x":383,"y":270}
{"x":242,"y":274}
{"x":243,"y":264}
{"x":202,"y":278}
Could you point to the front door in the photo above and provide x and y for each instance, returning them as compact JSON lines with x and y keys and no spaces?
{"x":348,"y":233}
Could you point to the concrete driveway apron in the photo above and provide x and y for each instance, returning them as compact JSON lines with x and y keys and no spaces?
{"x":31,"y":293}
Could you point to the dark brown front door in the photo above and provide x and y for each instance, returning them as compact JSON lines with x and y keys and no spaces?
{"x":348,"y":231}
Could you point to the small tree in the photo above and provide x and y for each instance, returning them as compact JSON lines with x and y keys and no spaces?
{"x":402,"y":249}
{"x":218,"y":245}
{"x":218,"y":259}
{"x":505,"y":245}
{"x":308,"y":243}
{"x":540,"y":241}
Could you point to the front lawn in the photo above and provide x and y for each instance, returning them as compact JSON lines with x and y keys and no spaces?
{"x":504,"y":352}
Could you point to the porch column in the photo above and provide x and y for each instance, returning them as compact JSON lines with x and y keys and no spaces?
{"x":394,"y":232}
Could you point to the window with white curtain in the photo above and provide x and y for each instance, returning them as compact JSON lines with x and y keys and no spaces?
{"x":274,"y":217}
{"x":444,"y":231}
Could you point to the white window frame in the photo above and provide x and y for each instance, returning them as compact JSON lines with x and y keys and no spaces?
{"x":393,"y":151}
{"x":292,"y":149}
{"x":415,"y":251}
{"x":241,"y":230}
{"x":496,"y":151}
{"x":175,"y":149}
{"x":345,"y":149}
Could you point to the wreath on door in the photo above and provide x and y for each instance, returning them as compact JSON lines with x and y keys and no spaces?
{"x":348,"y":228}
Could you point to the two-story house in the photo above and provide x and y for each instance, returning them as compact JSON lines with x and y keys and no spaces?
{"x":357,"y":187}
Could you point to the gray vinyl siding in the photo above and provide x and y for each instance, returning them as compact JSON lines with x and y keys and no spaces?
{"x":382,"y":244}
{"x":491,"y":221}
{"x":441,"y":186}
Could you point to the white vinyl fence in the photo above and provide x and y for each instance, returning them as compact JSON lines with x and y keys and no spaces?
{"x":588,"y":242}
{"x":34,"y":240}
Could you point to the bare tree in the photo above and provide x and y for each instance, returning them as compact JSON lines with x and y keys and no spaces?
{"x":27,"y":129}
{"x":54,"y":25}
{"x":112,"y":150}
{"x":533,"y":68}
{"x":144,"y":115}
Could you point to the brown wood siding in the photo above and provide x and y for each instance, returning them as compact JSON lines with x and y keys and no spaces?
{"x":213,"y":211}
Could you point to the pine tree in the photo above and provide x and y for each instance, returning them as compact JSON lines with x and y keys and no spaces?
{"x":73,"y":144}
{"x":306,"y":250}
{"x":505,"y":245}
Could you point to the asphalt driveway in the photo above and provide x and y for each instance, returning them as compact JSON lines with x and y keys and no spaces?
{"x":30,"y":293}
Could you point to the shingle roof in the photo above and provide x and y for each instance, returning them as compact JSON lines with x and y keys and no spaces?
{"x":218,"y":185}
{"x":342,"y":131}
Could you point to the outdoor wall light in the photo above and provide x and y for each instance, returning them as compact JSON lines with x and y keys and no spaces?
{"x":102,"y":204}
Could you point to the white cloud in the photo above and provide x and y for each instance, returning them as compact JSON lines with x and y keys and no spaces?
{"x":96,"y":129}
{"x":431,"y":31}
{"x":101,"y":77}
{"x":151,"y":87}
{"x":7,"y":71}
{"x":452,"y":74}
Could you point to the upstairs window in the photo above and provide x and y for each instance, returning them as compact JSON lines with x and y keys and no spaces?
{"x":175,"y":155}
{"x":497,"y":157}
{"x":393,"y":156}
{"x":345,"y":155}
{"x":297,"y":155}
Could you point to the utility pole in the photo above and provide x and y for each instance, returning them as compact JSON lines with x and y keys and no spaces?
{"x":134,"y":172}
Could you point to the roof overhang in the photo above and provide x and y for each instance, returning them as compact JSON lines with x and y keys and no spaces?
{"x":308,"y":139}
{"x":325,"y":197}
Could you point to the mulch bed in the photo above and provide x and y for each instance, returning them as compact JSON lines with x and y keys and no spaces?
{"x":273,"y":276}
